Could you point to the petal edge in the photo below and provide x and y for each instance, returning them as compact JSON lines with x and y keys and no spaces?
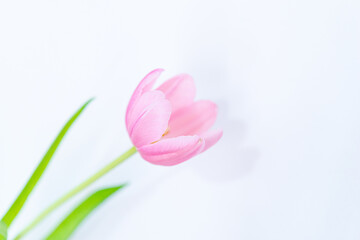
{"x":145,"y":85}
{"x":172,"y":151}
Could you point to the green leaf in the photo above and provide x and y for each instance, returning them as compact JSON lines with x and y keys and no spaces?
{"x":3,"y":231}
{"x":66,"y":228}
{"x":21,"y":199}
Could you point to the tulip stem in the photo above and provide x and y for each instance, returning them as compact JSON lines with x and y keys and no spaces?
{"x":76,"y":190}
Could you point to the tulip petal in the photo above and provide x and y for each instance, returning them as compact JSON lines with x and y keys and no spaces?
{"x":172,"y":151}
{"x":144,"y":103}
{"x":145,"y":85}
{"x":152,"y":123}
{"x":192,"y":120}
{"x":179,"y":90}
{"x":211,"y":138}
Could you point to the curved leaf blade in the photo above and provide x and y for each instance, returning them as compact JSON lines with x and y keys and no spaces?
{"x":3,"y":231}
{"x":67,"y":227}
{"x":30,"y":185}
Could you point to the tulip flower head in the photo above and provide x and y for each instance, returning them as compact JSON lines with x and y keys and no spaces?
{"x":166,"y":125}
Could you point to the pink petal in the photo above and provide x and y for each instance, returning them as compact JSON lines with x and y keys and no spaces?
{"x":172,"y":151}
{"x":151,"y":124}
{"x":192,"y":120}
{"x":145,"y":85}
{"x":179,"y":90}
{"x":144,"y":103}
{"x":211,"y":138}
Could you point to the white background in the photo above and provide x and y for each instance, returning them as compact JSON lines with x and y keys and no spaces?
{"x":285,"y":75}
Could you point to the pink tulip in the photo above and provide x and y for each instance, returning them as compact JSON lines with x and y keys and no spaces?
{"x":166,"y":125}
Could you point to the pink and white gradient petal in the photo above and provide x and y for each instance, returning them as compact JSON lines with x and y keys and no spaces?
{"x":193,"y":120}
{"x":152,"y":124}
{"x":145,"y":85}
{"x":143,"y":104}
{"x":172,"y":151}
{"x":210,"y":138}
{"x":179,"y":90}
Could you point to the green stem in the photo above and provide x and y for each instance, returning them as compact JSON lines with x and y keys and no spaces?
{"x":76,"y":190}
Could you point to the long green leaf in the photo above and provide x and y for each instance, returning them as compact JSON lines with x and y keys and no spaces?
{"x":67,"y":227}
{"x":21,"y":199}
{"x":3,"y":231}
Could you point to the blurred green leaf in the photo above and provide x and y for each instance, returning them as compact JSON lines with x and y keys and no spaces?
{"x":3,"y":231}
{"x":21,"y":199}
{"x":66,"y":228}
